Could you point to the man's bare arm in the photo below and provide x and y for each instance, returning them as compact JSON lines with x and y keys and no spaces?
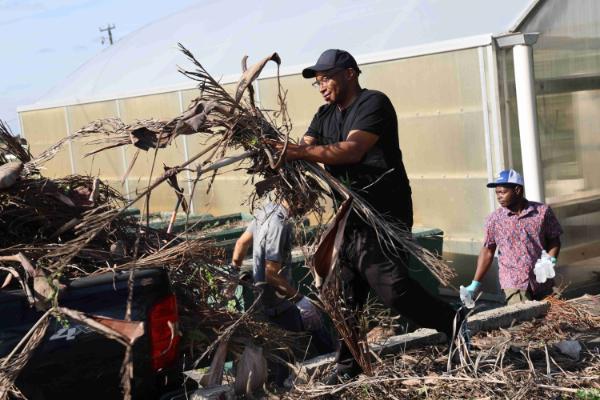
{"x":241,"y":248}
{"x":484,"y":261}
{"x":553,"y":247}
{"x":281,"y":285}
{"x":350,"y":151}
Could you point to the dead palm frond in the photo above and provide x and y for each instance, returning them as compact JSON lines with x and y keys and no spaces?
{"x":12,"y":364}
{"x":84,"y":231}
{"x":233,"y":122}
{"x":11,"y":147}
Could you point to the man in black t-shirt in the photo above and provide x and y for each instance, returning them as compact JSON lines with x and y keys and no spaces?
{"x":379,"y":175}
{"x":355,"y":134}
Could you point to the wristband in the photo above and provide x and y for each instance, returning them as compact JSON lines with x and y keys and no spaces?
{"x":553,"y":259}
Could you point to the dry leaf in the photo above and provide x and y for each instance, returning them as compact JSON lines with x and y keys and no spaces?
{"x":412,"y":382}
{"x":9,"y":173}
{"x":251,"y":371}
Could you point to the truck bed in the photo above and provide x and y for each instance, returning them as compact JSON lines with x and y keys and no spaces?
{"x":73,"y":361}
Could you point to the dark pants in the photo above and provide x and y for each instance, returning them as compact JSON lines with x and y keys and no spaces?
{"x":291,"y":320}
{"x":363,"y":266}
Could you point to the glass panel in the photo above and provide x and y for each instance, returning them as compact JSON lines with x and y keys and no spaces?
{"x":508,"y":110}
{"x":567,"y":70}
{"x":439,"y":105}
{"x":302,"y":100}
{"x":229,"y":190}
{"x":441,"y":128}
{"x":567,"y":74}
{"x":229,"y":194}
{"x":42,"y":129}
{"x":187,"y":96}
{"x":108,"y":163}
{"x":197,"y":142}
{"x":161,"y":106}
{"x":158,"y":106}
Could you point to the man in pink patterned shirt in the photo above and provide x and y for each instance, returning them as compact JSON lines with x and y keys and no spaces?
{"x":520,"y":229}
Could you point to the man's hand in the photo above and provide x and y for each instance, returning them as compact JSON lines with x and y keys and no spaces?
{"x":345,"y":152}
{"x":311,"y":318}
{"x":292,"y":152}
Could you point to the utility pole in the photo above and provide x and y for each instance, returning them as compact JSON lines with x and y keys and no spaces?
{"x":108,"y":29}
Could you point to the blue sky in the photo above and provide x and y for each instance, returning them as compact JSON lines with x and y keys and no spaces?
{"x":44,"y":41}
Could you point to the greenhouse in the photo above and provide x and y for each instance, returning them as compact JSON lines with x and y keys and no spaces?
{"x":475,"y":84}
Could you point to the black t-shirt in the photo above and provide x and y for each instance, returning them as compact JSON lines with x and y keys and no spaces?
{"x":380,"y":176}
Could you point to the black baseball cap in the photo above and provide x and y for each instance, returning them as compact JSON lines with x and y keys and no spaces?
{"x":330,"y":59}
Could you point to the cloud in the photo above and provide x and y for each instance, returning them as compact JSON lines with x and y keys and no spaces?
{"x":46,"y":50}
{"x":15,"y":87}
{"x":15,"y":10}
{"x":12,"y":11}
{"x":20,"y":5}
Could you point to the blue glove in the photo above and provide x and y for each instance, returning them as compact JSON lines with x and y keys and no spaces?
{"x":474,"y":288}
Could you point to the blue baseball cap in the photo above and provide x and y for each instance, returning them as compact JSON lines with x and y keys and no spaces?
{"x":507,"y":177}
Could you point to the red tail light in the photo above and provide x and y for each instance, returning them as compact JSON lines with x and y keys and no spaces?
{"x":164,"y":335}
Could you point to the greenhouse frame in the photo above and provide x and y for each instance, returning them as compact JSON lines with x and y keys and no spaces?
{"x":470,"y":102}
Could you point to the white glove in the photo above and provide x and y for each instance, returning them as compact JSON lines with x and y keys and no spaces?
{"x":311,"y":318}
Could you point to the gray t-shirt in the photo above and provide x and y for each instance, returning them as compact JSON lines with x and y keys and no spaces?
{"x":272,"y":241}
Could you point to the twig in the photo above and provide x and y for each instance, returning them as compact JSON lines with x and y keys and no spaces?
{"x":27,"y":336}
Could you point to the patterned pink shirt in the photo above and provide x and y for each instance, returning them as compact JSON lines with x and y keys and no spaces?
{"x":520,"y":240}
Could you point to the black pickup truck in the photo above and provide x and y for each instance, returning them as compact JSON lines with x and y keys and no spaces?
{"x":74,"y":361}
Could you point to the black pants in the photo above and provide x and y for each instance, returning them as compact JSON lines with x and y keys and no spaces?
{"x":291,"y":320}
{"x":363,"y":266}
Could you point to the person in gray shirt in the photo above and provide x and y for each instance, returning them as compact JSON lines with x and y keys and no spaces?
{"x":270,"y":234}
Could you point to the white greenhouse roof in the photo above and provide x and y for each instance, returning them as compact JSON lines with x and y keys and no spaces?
{"x":220,"y":32}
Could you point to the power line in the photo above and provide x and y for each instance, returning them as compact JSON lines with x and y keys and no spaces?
{"x":108,"y":29}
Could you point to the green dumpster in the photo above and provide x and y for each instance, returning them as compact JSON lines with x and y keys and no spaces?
{"x":432,"y":240}
{"x":429,"y":238}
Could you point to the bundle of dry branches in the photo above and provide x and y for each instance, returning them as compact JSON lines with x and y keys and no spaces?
{"x":13,"y":363}
{"x":514,"y":363}
{"x":61,"y":229}
{"x":232,"y":123}
{"x":79,"y":224}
